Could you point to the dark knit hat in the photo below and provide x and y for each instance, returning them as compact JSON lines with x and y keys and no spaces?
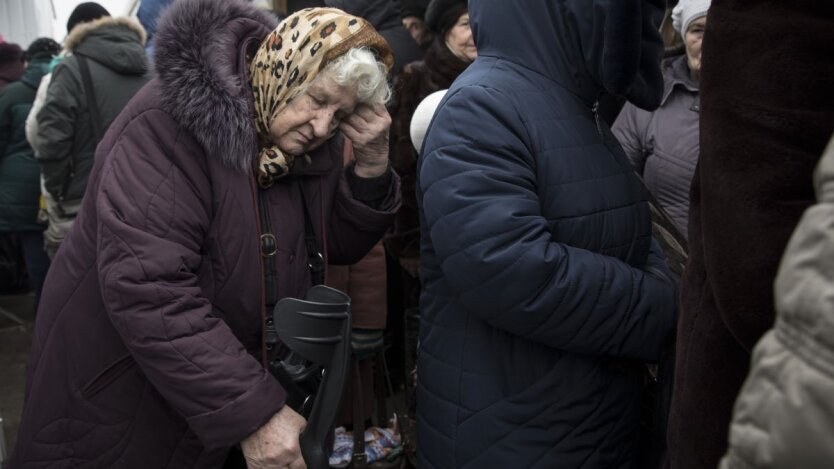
{"x":10,"y":52}
{"x":43,"y":46}
{"x":441,"y":15}
{"x":413,"y":8}
{"x":84,"y":13}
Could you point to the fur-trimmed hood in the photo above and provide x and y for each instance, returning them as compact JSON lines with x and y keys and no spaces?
{"x":118,"y":43}
{"x":199,"y":61}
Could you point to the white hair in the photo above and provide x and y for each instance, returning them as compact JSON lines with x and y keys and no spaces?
{"x":360,"y":68}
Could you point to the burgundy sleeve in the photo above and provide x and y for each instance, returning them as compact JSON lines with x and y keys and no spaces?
{"x":153,"y":216}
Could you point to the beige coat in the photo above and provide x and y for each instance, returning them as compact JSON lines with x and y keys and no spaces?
{"x":784,"y":416}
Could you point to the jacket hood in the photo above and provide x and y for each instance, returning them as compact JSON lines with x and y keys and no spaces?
{"x":37,"y":68}
{"x":200,"y":62}
{"x":586,"y":46}
{"x":118,"y":43}
{"x":382,"y":14}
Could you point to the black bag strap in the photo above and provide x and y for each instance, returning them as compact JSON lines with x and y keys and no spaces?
{"x":315,"y":259}
{"x":89,"y":92}
{"x":95,"y":123}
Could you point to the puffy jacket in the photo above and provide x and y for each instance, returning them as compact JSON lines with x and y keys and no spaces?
{"x":784,"y":416}
{"x":66,"y":142}
{"x":543,"y":289}
{"x":663,"y":145}
{"x":19,"y":171}
{"x":148,"y":348}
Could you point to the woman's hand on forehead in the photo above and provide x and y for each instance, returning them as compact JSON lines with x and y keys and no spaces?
{"x":368,"y":129}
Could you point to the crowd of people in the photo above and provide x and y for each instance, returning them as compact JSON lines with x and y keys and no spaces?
{"x":575,"y":234}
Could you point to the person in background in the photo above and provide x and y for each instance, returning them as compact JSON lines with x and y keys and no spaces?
{"x":449,"y":55}
{"x":543,"y":289}
{"x":19,"y":171}
{"x":384,"y":15}
{"x":767,"y":113}
{"x":78,"y":109}
{"x":784,"y":416}
{"x":149,"y":346}
{"x":413,"y":13}
{"x":50,"y":213}
{"x":663,"y":145}
{"x":148,"y":15}
{"x":11,"y":63}
{"x":451,"y":52}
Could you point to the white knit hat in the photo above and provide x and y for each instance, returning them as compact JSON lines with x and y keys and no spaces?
{"x":422,"y":118}
{"x":688,"y":11}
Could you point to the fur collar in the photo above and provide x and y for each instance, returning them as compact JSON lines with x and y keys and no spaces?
{"x":80,"y":32}
{"x":204,"y":86}
{"x":442,"y":65}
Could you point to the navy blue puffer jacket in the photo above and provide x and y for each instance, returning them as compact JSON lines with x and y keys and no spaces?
{"x":543,"y":289}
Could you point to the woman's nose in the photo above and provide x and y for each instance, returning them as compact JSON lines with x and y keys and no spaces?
{"x":322,"y":124}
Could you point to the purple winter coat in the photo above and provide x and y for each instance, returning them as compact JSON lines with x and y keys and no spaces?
{"x":148,"y":343}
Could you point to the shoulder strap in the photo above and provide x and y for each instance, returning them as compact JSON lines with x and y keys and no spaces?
{"x":315,"y":259}
{"x":92,"y":107}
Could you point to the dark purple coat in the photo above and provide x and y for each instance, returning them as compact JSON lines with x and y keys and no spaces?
{"x":147,"y":349}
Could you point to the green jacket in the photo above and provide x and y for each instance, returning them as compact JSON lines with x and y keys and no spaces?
{"x":114,"y":48}
{"x":19,"y":171}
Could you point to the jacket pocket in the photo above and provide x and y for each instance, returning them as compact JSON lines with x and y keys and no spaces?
{"x":108,"y":375}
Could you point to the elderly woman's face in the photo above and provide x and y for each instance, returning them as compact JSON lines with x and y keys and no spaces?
{"x":313,"y":116}
{"x":460,"y":41}
{"x":693,"y":38}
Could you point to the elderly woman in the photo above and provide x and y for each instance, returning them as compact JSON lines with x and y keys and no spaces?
{"x":148,"y":349}
{"x":663,"y":145}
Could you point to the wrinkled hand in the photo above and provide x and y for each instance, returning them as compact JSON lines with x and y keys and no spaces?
{"x":276,"y":444}
{"x":368,"y":128}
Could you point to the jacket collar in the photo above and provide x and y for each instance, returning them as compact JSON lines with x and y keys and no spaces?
{"x":676,"y":74}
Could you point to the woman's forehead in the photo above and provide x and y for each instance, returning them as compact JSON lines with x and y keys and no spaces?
{"x":335,"y":93}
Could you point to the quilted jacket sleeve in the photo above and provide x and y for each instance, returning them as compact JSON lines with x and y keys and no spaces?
{"x":784,"y":415}
{"x":630,"y":130}
{"x":153,"y":217}
{"x":32,"y":119}
{"x":354,"y":226}
{"x":482,"y":212}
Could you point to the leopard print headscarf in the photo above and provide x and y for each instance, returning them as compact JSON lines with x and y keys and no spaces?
{"x":290,"y":57}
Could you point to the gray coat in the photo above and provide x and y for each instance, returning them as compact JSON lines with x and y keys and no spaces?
{"x":118,"y":66}
{"x":663,"y":145}
{"x":784,"y":416}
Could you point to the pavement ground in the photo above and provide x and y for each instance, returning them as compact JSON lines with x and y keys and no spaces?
{"x":17,"y":317}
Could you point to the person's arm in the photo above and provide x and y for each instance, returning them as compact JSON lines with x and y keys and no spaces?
{"x":152,"y":219}
{"x":630,"y":130}
{"x":369,"y":192}
{"x":32,"y":118}
{"x":482,"y":211}
{"x":57,"y":122}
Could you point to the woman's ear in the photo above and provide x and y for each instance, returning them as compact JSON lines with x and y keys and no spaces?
{"x":633,"y":51}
